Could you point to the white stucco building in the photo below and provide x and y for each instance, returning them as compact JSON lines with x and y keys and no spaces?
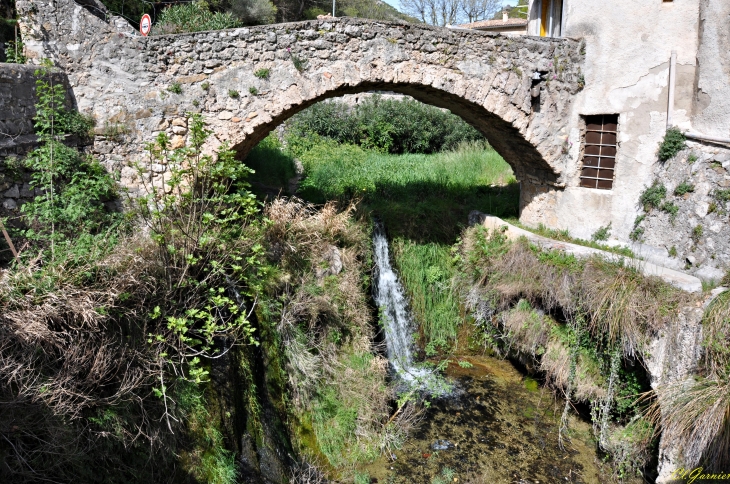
{"x":648,"y":64}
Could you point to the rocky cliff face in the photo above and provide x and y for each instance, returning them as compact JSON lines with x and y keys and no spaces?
{"x":695,"y":238}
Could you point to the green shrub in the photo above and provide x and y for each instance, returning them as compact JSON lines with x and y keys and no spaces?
{"x":674,"y":142}
{"x":684,"y":187}
{"x":205,"y":85}
{"x":691,"y":158}
{"x":652,"y":197}
{"x":175,"y":88}
{"x":235,"y":95}
{"x":75,"y":186}
{"x":14,"y":52}
{"x":603,"y":233}
{"x":671,"y":208}
{"x":722,"y":196}
{"x":393,"y":126}
{"x":262,"y":73}
{"x":74,"y":122}
{"x":697,"y":233}
{"x":300,"y":63}
{"x":637,"y":231}
{"x":253,"y":91}
{"x":192,"y":17}
{"x":253,"y":12}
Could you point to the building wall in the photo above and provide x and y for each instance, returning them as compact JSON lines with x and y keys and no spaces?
{"x":712,"y":99}
{"x":627,"y":53}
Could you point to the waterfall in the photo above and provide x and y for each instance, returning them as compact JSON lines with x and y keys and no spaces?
{"x":397,"y":322}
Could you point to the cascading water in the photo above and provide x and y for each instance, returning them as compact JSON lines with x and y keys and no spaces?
{"x":396,"y":319}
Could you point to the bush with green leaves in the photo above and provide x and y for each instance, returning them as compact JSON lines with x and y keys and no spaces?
{"x":389,"y":126}
{"x":15,"y":52}
{"x":262,"y":73}
{"x":674,"y":142}
{"x":653,"y":196}
{"x":603,"y":233}
{"x":192,"y":17}
{"x":72,"y":187}
{"x":253,"y":12}
{"x":124,"y":386}
{"x":203,"y":207}
{"x":684,"y":187}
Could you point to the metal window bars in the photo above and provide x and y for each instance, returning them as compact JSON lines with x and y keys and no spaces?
{"x":599,"y":151}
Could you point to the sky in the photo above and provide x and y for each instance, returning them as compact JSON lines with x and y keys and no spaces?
{"x":396,"y":3}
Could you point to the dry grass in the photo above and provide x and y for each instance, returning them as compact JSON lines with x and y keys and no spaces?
{"x":321,"y":305}
{"x":622,"y":305}
{"x":716,"y":327}
{"x":588,"y":384}
{"x":695,"y":413}
{"x":64,"y":359}
{"x":528,"y":328}
{"x":74,"y":341}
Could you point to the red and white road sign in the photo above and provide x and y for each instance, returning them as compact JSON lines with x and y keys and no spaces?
{"x":145,"y":25}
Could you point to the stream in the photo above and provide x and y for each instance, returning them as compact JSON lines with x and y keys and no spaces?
{"x":489,"y":424}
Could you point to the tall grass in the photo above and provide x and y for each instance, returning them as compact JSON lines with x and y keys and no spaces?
{"x":421,"y":197}
{"x":696,"y":412}
{"x":427,"y":270}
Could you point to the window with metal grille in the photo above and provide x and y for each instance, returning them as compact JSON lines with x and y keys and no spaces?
{"x":599,"y":151}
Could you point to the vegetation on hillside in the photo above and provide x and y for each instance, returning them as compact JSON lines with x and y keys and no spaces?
{"x":588,"y":323}
{"x":191,"y":16}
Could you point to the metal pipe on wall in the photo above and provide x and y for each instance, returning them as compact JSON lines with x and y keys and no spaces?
{"x":702,"y":137}
{"x":672,"y":77}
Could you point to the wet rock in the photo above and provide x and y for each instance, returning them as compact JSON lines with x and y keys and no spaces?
{"x":331,"y":258}
{"x":14,"y":192}
{"x":441,"y":444}
{"x":476,"y":217}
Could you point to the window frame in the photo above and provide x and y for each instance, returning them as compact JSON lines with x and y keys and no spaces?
{"x":599,"y":151}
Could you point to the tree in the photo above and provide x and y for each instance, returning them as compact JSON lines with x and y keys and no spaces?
{"x":475,"y":10}
{"x":252,"y":12}
{"x":450,"y":12}
{"x":517,"y":11}
{"x":434,"y":12}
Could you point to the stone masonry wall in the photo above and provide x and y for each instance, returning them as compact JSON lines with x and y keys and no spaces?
{"x":694,"y":240}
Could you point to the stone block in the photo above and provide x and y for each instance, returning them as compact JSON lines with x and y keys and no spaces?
{"x":14,"y":192}
{"x":26,"y":191}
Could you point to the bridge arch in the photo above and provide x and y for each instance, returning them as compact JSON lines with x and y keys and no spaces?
{"x":506,"y":139}
{"x":247,"y":81}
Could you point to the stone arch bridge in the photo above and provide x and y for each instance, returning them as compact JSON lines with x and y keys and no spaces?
{"x":123,"y":79}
